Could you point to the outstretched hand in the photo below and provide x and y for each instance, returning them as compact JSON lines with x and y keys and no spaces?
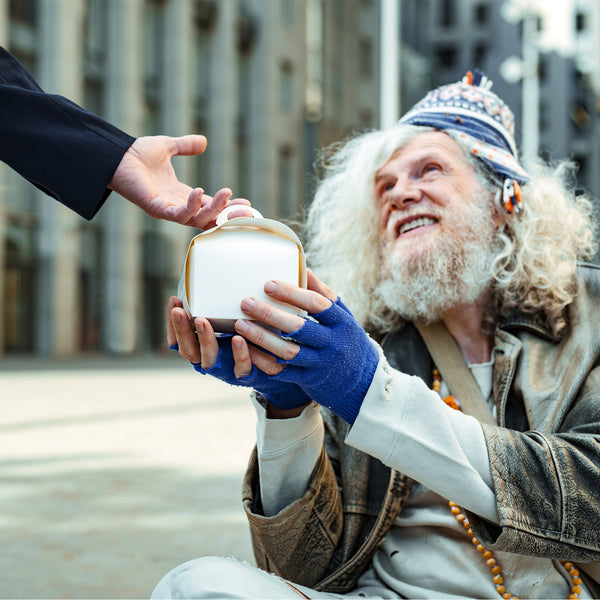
{"x":146,"y":177}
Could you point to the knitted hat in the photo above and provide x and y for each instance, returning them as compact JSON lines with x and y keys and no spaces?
{"x":481,"y":119}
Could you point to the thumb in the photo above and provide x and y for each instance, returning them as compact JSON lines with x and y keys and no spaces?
{"x":188,"y":145}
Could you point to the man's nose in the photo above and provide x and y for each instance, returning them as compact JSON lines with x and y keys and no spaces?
{"x":404,"y":193}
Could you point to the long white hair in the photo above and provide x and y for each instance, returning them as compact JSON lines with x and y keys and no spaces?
{"x":534,"y":270}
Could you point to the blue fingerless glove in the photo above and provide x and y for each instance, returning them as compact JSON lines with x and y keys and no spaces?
{"x":336,"y":362}
{"x":279,"y":393}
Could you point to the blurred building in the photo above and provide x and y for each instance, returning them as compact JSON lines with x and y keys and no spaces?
{"x":454,"y":36}
{"x":269,"y":82}
{"x":265,"y":88}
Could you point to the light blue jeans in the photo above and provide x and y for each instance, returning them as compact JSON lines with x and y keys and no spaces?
{"x":216,"y":577}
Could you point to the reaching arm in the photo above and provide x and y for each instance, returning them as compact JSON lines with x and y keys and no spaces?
{"x":77,"y":158}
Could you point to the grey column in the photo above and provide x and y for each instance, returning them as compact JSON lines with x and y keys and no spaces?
{"x":262,"y":108}
{"x":176,"y":115}
{"x":59,"y":71}
{"x":121,"y":220}
{"x":222,"y":120}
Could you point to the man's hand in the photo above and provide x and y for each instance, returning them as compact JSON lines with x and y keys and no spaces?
{"x":231,"y":360}
{"x":145,"y":177}
{"x":328,"y":356}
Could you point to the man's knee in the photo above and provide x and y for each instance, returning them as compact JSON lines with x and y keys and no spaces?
{"x":214,"y":576}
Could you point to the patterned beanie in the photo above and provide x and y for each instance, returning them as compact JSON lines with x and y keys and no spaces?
{"x":483,"y":122}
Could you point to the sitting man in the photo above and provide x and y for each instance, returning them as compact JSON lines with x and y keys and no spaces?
{"x":365,"y":483}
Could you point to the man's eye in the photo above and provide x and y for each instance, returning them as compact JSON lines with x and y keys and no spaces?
{"x":384,"y":187}
{"x":431,"y":168}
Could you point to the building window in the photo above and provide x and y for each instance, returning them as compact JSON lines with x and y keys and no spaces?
{"x":580,"y":21}
{"x":204,"y":15}
{"x":20,"y":277}
{"x":447,"y":13}
{"x":154,"y":40}
{"x":287,"y":86}
{"x":479,"y":55}
{"x":582,"y":164}
{"x":580,"y":115}
{"x":545,"y":115}
{"x":446,"y":57}
{"x":365,"y":116}
{"x":481,"y":14}
{"x":365,"y":58}
{"x":286,"y":182}
{"x":542,"y":69}
{"x":23,"y":11}
{"x":94,"y":57}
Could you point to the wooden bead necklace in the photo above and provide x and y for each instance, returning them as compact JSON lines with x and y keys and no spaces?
{"x":488,"y":555}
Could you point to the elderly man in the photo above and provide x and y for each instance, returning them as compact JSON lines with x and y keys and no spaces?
{"x":462,"y":275}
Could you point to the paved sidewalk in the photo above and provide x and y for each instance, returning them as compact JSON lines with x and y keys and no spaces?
{"x":114,"y":471}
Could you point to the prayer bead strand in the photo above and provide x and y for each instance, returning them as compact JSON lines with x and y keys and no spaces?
{"x":486,"y":554}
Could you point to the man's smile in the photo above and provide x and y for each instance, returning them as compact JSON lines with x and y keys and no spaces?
{"x":413,"y":224}
{"x":405,"y":226}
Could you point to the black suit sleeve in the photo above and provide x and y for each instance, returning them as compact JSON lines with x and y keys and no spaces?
{"x":67,"y":152}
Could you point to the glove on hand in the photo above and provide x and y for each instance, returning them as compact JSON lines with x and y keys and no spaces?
{"x":336,"y":362}
{"x":279,"y":393}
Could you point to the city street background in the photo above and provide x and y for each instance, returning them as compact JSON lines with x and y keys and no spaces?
{"x":115,"y":471}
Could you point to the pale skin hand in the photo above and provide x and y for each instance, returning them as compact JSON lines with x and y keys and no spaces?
{"x":202,"y":347}
{"x":146,"y":177}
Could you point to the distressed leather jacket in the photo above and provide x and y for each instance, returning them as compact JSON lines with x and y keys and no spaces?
{"x":544,"y":460}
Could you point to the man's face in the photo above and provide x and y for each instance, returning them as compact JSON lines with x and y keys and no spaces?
{"x":437,"y":228}
{"x":426,"y":190}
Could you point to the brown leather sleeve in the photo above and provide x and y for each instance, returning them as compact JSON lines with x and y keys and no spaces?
{"x":298,"y":542}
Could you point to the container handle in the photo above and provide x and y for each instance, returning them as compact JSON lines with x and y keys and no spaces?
{"x":222,"y":216}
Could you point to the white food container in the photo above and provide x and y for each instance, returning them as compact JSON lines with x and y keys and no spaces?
{"x":233,"y":260}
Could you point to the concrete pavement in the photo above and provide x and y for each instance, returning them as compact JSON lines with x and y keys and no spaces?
{"x":114,"y":471}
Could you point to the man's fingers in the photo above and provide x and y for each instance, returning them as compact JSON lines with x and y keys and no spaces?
{"x":171,"y":335}
{"x":265,"y":362}
{"x":315,"y":284}
{"x":195,"y":201}
{"x":209,"y":346}
{"x":186,"y":338}
{"x":241,"y":202}
{"x":202,"y":210}
{"x":271,"y":315}
{"x":241,"y":356}
{"x":220,"y":198}
{"x":266,"y":339}
{"x":308,"y":300}
{"x":242,"y":211}
{"x":188,"y":145}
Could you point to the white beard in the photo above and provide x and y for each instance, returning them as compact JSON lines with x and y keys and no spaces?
{"x":455,"y":270}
